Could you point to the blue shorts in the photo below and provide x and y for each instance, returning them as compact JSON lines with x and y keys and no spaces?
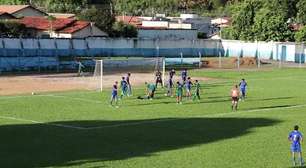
{"x":114,"y":96}
{"x":188,"y":89}
{"x":243,"y":91}
{"x":295,"y":148}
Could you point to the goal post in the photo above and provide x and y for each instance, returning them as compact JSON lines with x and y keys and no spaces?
{"x":121,"y":66}
{"x":98,"y":73}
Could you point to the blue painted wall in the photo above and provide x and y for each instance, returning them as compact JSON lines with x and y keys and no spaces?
{"x":32,"y":54}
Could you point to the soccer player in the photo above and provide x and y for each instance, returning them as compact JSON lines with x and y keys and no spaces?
{"x":114,"y":96}
{"x":158,"y":78}
{"x":295,"y":137}
{"x":197,"y":91}
{"x":170,"y":87}
{"x":243,"y":86}
{"x":150,"y":89}
{"x":179,"y":92}
{"x":171,"y":74}
{"x":184,"y":75}
{"x":81,"y":68}
{"x":188,"y":87}
{"x":123,"y":86}
{"x":129,"y":87}
{"x":235,"y":97}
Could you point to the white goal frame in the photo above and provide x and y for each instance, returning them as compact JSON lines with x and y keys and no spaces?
{"x":100,"y":63}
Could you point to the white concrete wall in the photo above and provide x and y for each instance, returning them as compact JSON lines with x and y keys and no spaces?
{"x":180,"y":26}
{"x":164,"y":24}
{"x":168,"y":34}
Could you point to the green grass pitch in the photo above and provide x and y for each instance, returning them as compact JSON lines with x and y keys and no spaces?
{"x":80,"y":129}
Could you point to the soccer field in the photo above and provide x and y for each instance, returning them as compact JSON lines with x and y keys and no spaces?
{"x":80,"y":129}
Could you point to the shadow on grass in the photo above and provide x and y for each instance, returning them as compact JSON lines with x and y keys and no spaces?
{"x":37,"y":145}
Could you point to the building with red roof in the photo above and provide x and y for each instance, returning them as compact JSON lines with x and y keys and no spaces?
{"x":5,"y":15}
{"x":132,"y":20}
{"x":21,"y":10}
{"x":62,"y":27}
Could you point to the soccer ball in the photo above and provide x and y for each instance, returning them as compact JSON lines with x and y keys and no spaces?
{"x":33,"y":93}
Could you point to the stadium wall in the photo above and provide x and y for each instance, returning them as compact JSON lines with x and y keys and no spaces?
{"x":59,"y":54}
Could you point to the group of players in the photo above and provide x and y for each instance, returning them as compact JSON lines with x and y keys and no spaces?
{"x":185,"y":83}
{"x":238,"y":92}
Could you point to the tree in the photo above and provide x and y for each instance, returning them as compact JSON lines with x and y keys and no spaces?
{"x":271,"y":27}
{"x":244,"y":17}
{"x":230,"y":33}
{"x":103,"y":18}
{"x":124,"y":30}
{"x":301,"y":14}
{"x":13,"y":29}
{"x":300,"y":36}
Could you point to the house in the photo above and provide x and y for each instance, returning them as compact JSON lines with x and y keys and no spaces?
{"x":62,"y":28}
{"x":21,"y":10}
{"x":4,"y":15}
{"x":221,"y":22}
{"x":132,"y":20}
{"x":63,"y":15}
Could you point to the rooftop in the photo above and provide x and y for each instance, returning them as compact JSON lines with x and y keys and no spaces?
{"x":12,"y":8}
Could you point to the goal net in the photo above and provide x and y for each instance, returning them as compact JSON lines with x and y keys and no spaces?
{"x":182,"y":63}
{"x":106,"y":71}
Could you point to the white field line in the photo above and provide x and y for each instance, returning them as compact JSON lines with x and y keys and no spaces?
{"x":40,"y":122}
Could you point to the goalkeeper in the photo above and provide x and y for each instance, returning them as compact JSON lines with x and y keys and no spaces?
{"x":196,"y":94}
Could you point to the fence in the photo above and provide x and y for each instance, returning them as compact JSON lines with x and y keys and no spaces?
{"x":60,"y":54}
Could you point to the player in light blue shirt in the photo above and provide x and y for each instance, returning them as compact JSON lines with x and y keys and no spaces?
{"x":129,"y":87}
{"x":114,"y":96}
{"x":295,"y":137}
{"x":124,"y":87}
{"x":243,"y":86}
{"x":188,"y":85}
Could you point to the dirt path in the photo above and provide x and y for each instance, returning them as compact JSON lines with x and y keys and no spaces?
{"x":16,"y":85}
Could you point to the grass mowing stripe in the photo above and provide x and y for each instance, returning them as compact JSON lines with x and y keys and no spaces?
{"x":200,"y":116}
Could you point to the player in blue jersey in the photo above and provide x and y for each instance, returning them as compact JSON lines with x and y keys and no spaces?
{"x":295,"y":137}
{"x":114,"y":96}
{"x":129,"y":87}
{"x":184,"y":75}
{"x":123,"y":87}
{"x":243,"y":86}
{"x":188,"y":85}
